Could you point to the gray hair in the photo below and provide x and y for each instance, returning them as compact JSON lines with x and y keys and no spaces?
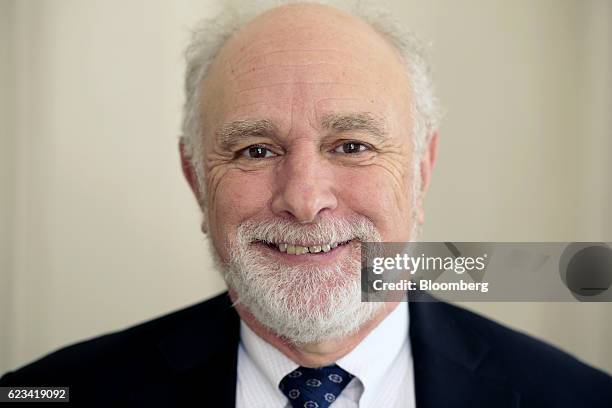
{"x":210,"y":35}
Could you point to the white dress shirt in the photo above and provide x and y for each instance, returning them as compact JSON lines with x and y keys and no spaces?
{"x":381,"y":364}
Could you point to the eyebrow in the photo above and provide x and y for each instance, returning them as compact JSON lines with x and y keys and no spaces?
{"x":360,"y":121}
{"x":234,"y":133}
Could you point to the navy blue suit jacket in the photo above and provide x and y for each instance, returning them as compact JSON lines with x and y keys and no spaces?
{"x":189,"y":358}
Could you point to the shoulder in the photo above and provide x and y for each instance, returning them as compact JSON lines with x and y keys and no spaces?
{"x":539,"y":371}
{"x":118,"y":355}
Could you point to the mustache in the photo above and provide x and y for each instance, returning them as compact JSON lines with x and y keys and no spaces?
{"x":324,"y":230}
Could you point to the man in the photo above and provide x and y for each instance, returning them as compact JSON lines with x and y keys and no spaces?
{"x":309,"y":131}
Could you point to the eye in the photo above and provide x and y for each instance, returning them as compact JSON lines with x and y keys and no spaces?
{"x":351,"y":147}
{"x":257,"y":152}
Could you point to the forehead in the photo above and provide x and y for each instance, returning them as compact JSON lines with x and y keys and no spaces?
{"x":305,"y":63}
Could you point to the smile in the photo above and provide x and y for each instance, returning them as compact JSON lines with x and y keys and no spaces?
{"x":294,"y":249}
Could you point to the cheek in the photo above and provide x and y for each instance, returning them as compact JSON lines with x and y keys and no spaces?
{"x":238,"y":196}
{"x":372,"y":192}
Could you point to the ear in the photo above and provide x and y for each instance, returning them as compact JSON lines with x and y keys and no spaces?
{"x":192,"y":180}
{"x":427,"y":163}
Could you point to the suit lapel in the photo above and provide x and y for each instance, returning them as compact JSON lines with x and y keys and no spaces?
{"x":202,"y":356}
{"x":451,"y":366}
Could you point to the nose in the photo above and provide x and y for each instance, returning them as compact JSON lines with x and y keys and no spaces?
{"x":304,"y":186}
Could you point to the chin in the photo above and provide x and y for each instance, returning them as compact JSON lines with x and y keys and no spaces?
{"x":308,"y":315}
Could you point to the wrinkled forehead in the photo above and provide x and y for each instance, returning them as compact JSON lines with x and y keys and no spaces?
{"x":327,"y":60}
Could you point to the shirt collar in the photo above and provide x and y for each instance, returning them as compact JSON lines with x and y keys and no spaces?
{"x":368,"y":361}
{"x":273,"y":364}
{"x":374,"y":356}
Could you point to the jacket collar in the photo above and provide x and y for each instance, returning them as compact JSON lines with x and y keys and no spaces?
{"x":212,"y":329}
{"x":452,"y":363}
{"x":202,"y":355}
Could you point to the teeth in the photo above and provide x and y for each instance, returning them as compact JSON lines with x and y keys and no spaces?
{"x":300,"y":250}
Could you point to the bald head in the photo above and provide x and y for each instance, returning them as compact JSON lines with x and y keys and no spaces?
{"x":310,"y":27}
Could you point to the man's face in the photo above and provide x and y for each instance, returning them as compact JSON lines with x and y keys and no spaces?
{"x":307,"y":131}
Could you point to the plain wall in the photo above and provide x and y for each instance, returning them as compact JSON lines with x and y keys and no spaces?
{"x":7,"y":174}
{"x":99,"y":231}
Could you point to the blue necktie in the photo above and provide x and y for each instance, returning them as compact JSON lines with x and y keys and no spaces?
{"x":314,"y":387}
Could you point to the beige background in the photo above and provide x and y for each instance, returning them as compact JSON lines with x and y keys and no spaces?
{"x":98,"y":230}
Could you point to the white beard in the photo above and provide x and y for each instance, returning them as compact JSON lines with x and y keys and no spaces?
{"x":302,"y":304}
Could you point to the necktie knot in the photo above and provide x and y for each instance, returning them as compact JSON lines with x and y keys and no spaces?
{"x":314,"y":387}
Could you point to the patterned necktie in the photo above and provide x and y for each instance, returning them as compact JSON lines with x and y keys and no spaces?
{"x":314,"y":387}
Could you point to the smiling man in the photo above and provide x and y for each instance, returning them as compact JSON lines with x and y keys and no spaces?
{"x":308,"y":131}
{"x":300,"y":126}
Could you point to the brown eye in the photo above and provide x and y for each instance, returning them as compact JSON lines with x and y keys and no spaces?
{"x":351,"y":147}
{"x":257,"y":152}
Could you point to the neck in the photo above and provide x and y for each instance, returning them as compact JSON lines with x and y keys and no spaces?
{"x":313,"y":354}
